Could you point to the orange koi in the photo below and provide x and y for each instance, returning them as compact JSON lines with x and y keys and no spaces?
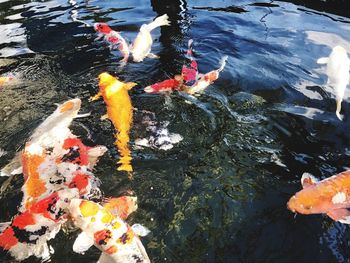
{"x":108,"y":232}
{"x":120,"y":112}
{"x":330,"y":196}
{"x":5,"y":79}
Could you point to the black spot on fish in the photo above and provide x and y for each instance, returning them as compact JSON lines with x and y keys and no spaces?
{"x":58,"y":181}
{"x":29,"y":237}
{"x":137,"y":259}
{"x":124,"y":238}
{"x":72,"y":155}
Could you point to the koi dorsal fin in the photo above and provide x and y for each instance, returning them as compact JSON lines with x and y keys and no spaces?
{"x":308,"y":180}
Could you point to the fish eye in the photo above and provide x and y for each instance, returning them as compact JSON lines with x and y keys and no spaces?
{"x":66,"y":200}
{"x":307,"y":207}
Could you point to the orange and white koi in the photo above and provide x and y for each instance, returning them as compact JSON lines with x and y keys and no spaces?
{"x":114,"y":38}
{"x":6,"y":79}
{"x":338,"y":66}
{"x":330,"y":196}
{"x":53,"y":130}
{"x":108,"y":232}
{"x":66,"y":166}
{"x":207,"y":79}
{"x":142,"y":44}
{"x":120,"y":112}
{"x":28,"y":232}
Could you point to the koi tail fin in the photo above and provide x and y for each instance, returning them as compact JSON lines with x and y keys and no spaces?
{"x":337,"y":112}
{"x":223,"y":63}
{"x":323,"y":60}
{"x":158,"y":22}
{"x":129,"y":85}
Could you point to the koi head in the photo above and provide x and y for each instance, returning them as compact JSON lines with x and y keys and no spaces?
{"x":307,"y":202}
{"x":318,"y":197}
{"x":102,"y":28}
{"x":70,"y":107}
{"x":105,"y":80}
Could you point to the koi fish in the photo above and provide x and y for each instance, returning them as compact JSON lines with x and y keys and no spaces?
{"x":338,"y":66}
{"x":142,"y":44}
{"x":166,"y":85}
{"x":118,"y":241}
{"x":28,"y":232}
{"x":329,"y":196}
{"x":53,"y":130}
{"x":188,"y":77}
{"x":120,"y":112}
{"x":67,"y":167}
{"x":5,"y":79}
{"x":207,"y":79}
{"x":189,"y":70}
{"x":114,"y":38}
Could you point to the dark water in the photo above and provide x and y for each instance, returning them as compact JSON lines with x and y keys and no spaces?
{"x":220,"y":194}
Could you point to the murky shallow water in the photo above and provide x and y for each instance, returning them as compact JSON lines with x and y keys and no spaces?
{"x":220,"y":194}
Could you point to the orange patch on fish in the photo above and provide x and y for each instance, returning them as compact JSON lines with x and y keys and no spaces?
{"x":122,"y":206}
{"x":8,"y":239}
{"x":23,"y":220}
{"x":33,"y":185}
{"x":88,"y":208}
{"x":69,"y":105}
{"x":111,"y":250}
{"x":127,"y":237}
{"x":120,"y":112}
{"x":102,"y":237}
{"x":80,"y":181}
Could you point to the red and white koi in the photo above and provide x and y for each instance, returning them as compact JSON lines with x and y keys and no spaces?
{"x":28,"y":232}
{"x":167,"y":85}
{"x":189,"y":70}
{"x":207,"y":79}
{"x":114,"y":38}
{"x":330,"y":196}
{"x":142,"y":44}
{"x":118,"y":241}
{"x":338,"y":66}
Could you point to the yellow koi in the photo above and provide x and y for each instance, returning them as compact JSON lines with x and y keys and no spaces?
{"x":119,"y":111}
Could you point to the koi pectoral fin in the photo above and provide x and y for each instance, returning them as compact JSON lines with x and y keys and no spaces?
{"x":342,"y":215}
{"x":82,"y":243}
{"x":104,"y":117}
{"x":96,"y":97}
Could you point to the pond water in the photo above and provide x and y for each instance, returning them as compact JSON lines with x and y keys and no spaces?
{"x":220,"y":194}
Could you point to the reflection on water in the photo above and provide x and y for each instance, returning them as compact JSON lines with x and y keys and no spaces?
{"x":218,"y":195}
